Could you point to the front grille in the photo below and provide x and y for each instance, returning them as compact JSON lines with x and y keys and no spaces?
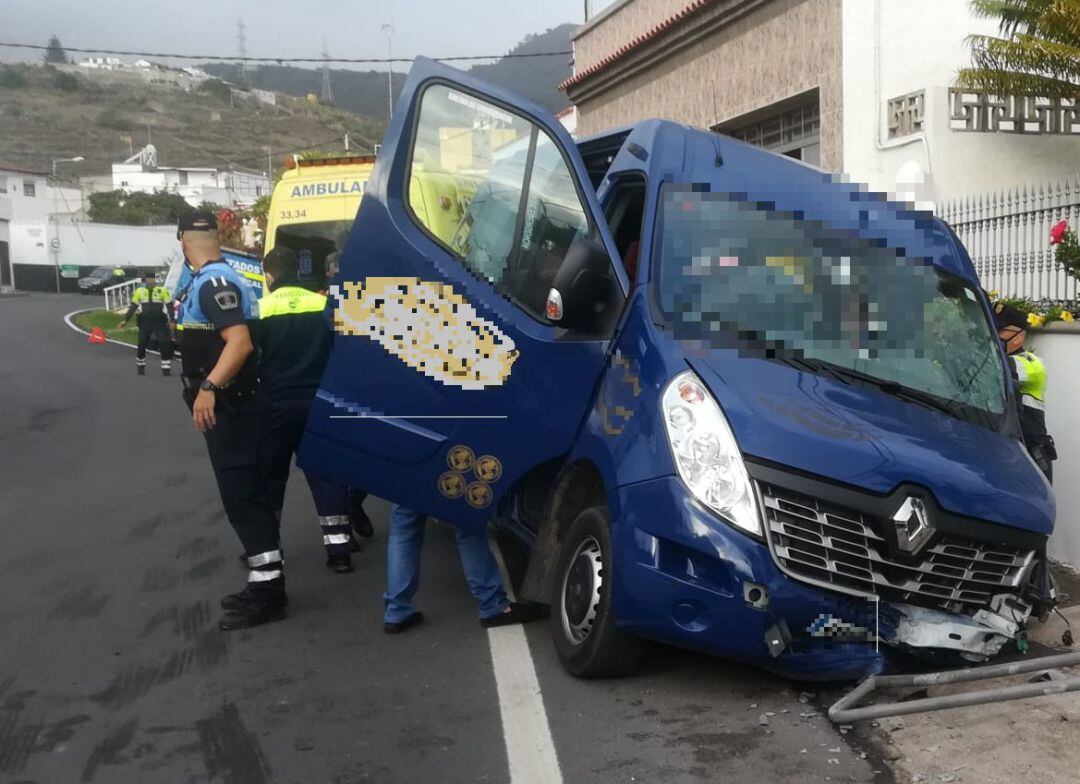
{"x":836,"y":546}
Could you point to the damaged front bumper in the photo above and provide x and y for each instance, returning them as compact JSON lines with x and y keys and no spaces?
{"x":975,"y":638}
{"x":696,"y":583}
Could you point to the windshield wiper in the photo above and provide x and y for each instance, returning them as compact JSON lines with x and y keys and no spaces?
{"x":896,"y":389}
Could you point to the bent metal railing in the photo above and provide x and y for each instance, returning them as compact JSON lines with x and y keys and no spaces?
{"x":118,"y":296}
{"x":1007,"y":234}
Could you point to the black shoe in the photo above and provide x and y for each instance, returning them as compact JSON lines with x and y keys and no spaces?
{"x":236,"y":600}
{"x":361,"y":523}
{"x":518,"y":613}
{"x":415,"y":619}
{"x":339,"y":564}
{"x":254,"y":613}
{"x":140,"y":369}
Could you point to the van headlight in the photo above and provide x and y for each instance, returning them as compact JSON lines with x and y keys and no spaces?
{"x":706,"y":454}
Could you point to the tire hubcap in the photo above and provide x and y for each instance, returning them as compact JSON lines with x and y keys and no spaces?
{"x":581,"y":591}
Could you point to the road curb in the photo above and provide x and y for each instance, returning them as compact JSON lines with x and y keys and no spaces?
{"x":68,"y":320}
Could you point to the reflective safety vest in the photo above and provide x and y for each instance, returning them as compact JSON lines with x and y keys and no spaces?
{"x":1031,"y":372}
{"x":145,"y":294}
{"x":294,"y":341}
{"x":290,"y":300}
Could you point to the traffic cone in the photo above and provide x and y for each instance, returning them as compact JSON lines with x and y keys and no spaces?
{"x":96,"y":336}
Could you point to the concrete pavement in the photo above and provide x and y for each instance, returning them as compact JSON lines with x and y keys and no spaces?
{"x":115,"y":553}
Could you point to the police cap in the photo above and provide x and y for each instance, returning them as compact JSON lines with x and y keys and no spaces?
{"x":1006,"y":315}
{"x":196,"y":221}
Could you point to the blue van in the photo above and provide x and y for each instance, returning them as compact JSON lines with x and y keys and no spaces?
{"x":723,"y":400}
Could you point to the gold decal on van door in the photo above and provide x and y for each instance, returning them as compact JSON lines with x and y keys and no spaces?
{"x":429,"y":327}
{"x":486,"y":470}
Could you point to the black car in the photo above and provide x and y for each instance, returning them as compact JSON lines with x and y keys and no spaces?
{"x":101,"y":277}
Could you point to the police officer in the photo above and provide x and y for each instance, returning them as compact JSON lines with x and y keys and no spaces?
{"x":153,"y":305}
{"x":1030,"y":374}
{"x":221,"y":387}
{"x":294,"y":341}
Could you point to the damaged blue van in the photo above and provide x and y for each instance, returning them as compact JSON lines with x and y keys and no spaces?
{"x":722,"y":399}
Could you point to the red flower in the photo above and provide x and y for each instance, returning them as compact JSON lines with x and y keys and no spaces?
{"x":1057,"y":234}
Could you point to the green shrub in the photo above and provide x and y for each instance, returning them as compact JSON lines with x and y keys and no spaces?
{"x":13,"y":77}
{"x":66,"y":82}
{"x":115,"y":121}
{"x":216,"y":88}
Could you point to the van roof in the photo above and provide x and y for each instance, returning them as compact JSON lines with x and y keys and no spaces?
{"x":681,"y":154}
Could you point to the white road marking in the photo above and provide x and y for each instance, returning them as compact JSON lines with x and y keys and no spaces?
{"x":530,"y":749}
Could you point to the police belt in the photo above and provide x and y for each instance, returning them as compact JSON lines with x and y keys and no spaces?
{"x":231,"y":397}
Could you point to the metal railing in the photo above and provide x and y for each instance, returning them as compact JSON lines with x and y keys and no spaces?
{"x":1007,"y":234}
{"x":118,"y":296}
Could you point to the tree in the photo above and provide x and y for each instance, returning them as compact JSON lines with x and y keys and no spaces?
{"x":137,"y":209}
{"x":1037,"y":53}
{"x":55,"y":52}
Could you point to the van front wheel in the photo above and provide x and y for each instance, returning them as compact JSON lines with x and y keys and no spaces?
{"x":586,"y":639}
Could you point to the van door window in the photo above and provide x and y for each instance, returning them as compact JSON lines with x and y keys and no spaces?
{"x":625,"y":211}
{"x":519,"y":209}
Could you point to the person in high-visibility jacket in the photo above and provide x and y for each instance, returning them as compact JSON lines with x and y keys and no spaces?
{"x":153,"y":303}
{"x":294,"y":339}
{"x":1030,"y":374}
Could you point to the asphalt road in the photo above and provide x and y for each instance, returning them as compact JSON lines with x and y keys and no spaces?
{"x":114,"y":553}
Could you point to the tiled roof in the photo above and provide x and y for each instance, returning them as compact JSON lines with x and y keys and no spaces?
{"x":648,"y":35}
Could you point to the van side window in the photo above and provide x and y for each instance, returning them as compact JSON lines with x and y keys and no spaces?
{"x":494,"y":190}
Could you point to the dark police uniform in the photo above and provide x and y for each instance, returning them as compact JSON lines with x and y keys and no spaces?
{"x":215,"y":299}
{"x":151,"y":303}
{"x":294,"y":342}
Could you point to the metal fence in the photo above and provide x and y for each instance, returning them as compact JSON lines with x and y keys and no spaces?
{"x":1007,"y":234}
{"x":118,"y":297}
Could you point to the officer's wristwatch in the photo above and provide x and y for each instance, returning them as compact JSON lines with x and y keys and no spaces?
{"x":209,"y":386}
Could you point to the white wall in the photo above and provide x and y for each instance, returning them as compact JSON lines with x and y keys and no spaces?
{"x":921,"y":46}
{"x":41,"y":205}
{"x":1058,"y":350}
{"x":91,"y":244}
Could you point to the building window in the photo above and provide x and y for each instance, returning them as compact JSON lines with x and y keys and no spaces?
{"x":793,"y":130}
{"x":3,"y":184}
{"x":29,"y":189}
{"x":258,"y":191}
{"x":183,"y":178}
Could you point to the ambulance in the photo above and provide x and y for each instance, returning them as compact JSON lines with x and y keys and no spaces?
{"x":312,"y":211}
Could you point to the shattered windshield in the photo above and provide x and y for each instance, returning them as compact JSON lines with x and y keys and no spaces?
{"x":735,"y":274}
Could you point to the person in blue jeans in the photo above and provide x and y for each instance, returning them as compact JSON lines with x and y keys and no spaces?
{"x":481,"y":573}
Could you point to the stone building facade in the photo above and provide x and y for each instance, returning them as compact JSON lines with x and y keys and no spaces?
{"x":757,"y":69}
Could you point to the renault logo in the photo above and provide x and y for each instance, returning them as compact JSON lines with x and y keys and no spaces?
{"x":913,"y":525}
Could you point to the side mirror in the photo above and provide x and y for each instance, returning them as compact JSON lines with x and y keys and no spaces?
{"x":580,"y":285}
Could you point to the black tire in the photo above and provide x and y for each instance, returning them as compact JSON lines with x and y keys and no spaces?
{"x":582,"y":625}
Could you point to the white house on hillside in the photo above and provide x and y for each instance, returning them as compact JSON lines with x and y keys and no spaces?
{"x":229,"y":188}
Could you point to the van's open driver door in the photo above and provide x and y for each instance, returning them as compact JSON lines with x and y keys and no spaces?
{"x":447,"y":382}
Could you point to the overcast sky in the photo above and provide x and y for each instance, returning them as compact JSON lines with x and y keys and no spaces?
{"x":286,"y":28}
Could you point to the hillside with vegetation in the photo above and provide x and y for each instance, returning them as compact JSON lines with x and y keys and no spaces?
{"x":48,"y":113}
{"x":365,"y":92}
